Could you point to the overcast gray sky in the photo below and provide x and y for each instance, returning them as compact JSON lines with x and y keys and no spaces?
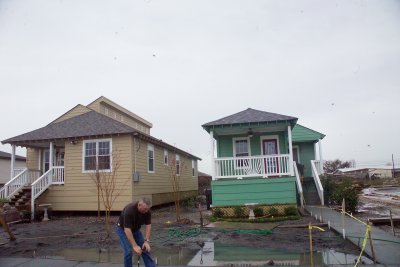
{"x":335,"y":65}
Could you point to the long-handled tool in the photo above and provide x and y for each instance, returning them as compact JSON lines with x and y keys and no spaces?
{"x":138,"y":261}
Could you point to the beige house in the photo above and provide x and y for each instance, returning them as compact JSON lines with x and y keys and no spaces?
{"x":5,"y":166}
{"x":62,"y":158}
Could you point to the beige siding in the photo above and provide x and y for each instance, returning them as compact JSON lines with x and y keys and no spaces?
{"x":79,"y":191}
{"x":115,"y":113}
{"x":159,"y":183}
{"x":5,"y":169}
{"x":78,"y":110}
{"x":32,"y":159}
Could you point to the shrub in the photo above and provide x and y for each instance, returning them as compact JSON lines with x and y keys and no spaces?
{"x":238,"y":211}
{"x":189,"y":202}
{"x":291,"y":210}
{"x":3,"y":201}
{"x":273,"y":211}
{"x":349,"y":193}
{"x":258,"y":212}
{"x":218,"y":213}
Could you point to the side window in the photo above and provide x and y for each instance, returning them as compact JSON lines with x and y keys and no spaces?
{"x":97,"y":155}
{"x":178,"y":165}
{"x":165,"y":157}
{"x":150,"y":158}
{"x":193,"y":167}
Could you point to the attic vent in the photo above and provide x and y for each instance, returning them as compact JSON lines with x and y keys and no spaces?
{"x":136,"y":176}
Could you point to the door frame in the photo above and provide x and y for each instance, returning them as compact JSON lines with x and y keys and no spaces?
{"x":270,"y":137}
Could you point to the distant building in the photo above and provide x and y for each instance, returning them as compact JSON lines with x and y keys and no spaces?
{"x":5,"y":166}
{"x":376,"y":172}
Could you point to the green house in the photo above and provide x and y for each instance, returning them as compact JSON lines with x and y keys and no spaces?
{"x":263,"y":158}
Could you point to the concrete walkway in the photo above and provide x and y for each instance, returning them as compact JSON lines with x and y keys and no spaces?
{"x":386,"y":246}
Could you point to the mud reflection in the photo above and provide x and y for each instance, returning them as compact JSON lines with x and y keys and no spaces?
{"x":216,"y":254}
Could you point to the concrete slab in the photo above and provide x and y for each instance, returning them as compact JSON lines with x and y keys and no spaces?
{"x":386,"y":246}
{"x":11,"y":262}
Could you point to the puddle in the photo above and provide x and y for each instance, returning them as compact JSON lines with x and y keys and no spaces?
{"x":217,"y":254}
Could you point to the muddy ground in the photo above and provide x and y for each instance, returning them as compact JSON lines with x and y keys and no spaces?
{"x":46,"y":239}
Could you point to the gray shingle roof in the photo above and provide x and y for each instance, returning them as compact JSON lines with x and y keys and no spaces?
{"x":5,"y":155}
{"x":250,"y":116}
{"x":87,"y":124}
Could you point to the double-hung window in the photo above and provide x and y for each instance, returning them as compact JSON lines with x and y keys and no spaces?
{"x":178,"y":165}
{"x":241,"y":149}
{"x":97,"y":155}
{"x":165,"y":157}
{"x":150,"y":158}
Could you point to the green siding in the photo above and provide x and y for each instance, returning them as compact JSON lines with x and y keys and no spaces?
{"x":262,"y":191}
{"x":225,"y":144}
{"x":307,"y":153}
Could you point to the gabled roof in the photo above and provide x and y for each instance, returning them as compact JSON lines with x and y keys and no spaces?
{"x":103,"y":99}
{"x":90,"y":124}
{"x":87,"y":124}
{"x":250,"y":116}
{"x":304,"y":134}
{"x":5,"y":155}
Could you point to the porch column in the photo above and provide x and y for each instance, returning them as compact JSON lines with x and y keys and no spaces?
{"x":321,"y":161}
{"x":212,"y":155}
{"x":290,"y":150}
{"x":12,"y":161}
{"x":51,"y":157}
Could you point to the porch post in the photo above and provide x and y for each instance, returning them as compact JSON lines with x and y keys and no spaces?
{"x":12,"y":162}
{"x":290,"y":150}
{"x":321,"y":164}
{"x":212,"y":155}
{"x":51,"y":155}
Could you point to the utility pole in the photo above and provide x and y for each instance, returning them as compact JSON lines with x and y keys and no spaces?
{"x":392,"y":167}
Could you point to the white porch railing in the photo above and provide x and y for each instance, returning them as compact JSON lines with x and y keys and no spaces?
{"x":298,"y":183}
{"x":264,"y":166}
{"x":23,"y":177}
{"x":319,"y":166}
{"x":317,"y":181}
{"x":53,"y":176}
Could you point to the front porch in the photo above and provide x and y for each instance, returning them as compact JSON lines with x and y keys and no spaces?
{"x":254,"y":166}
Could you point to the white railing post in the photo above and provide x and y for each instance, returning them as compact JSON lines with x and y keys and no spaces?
{"x":317,"y":181}
{"x":213,"y":173}
{"x":12,"y":162}
{"x":290,"y":150}
{"x":299,"y":186}
{"x":321,"y":164}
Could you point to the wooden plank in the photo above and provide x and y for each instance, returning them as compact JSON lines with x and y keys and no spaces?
{"x":384,"y":220}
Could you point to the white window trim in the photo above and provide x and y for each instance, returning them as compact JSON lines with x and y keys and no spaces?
{"x":193,"y":168}
{"x":298,"y":152}
{"x":269,"y":137}
{"x":178,"y":158}
{"x":97,"y":151}
{"x":166,"y":154}
{"x":238,"y":139}
{"x":154,"y":158}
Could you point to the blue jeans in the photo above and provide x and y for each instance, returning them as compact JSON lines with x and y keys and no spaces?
{"x":126,"y":245}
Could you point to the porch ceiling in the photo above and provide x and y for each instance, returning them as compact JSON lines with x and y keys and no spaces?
{"x":231,"y":130}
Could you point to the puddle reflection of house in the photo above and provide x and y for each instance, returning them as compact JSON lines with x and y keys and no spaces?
{"x":216,"y":254}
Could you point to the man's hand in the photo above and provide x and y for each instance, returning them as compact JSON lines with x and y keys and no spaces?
{"x":137,"y":250}
{"x":146,"y":246}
